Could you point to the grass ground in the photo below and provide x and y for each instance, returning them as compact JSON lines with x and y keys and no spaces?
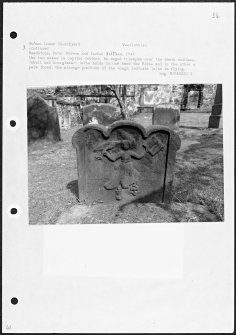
{"x":198,"y":184}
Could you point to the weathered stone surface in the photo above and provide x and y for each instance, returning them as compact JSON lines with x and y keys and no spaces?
{"x":162,"y":93}
{"x":65,"y":119}
{"x":193,"y":97}
{"x":125,"y":162}
{"x":149,"y":97}
{"x":208,"y":96}
{"x":69,"y":113}
{"x":104,"y":114}
{"x":166,"y":115}
{"x":42,"y":120}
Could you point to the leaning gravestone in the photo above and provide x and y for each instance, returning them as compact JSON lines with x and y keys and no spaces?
{"x":166,"y":115}
{"x":42,"y":119}
{"x":104,"y":114}
{"x":125,"y":162}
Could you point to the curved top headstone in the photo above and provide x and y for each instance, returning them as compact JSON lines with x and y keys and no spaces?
{"x":125,"y":162}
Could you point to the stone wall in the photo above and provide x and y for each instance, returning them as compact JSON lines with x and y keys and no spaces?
{"x":209,"y":93}
{"x":68,"y":99}
{"x":174,"y":94}
{"x":69,"y":114}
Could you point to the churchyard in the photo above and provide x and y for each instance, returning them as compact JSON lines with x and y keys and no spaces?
{"x":198,"y":192}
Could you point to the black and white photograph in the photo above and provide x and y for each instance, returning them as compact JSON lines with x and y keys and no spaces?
{"x":125,"y":154}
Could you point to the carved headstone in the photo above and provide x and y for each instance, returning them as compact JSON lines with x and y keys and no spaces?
{"x":166,"y":115}
{"x":104,"y":114}
{"x":125,"y":162}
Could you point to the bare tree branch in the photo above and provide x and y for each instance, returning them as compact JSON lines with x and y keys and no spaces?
{"x":120,"y":102}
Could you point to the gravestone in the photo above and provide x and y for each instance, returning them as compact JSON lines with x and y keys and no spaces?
{"x":197,"y":91}
{"x":105,"y":114}
{"x":125,"y":162}
{"x":214,"y":119}
{"x":166,"y":115}
{"x":193,"y":98}
{"x":69,"y":113}
{"x":42,"y":119}
{"x":65,"y":119}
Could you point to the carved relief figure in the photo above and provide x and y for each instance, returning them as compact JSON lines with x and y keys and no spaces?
{"x":127,"y":175}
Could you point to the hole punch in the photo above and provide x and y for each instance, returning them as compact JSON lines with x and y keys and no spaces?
{"x":13,"y":34}
{"x":13,"y":211}
{"x":14,"y":301}
{"x":12,"y":123}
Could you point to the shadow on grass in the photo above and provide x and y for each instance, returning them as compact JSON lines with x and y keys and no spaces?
{"x":153,"y":197}
{"x":192,"y":127}
{"x":73,"y":187}
{"x":193,"y":175}
{"x":206,"y":142}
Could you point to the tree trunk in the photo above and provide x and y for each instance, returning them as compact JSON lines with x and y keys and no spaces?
{"x":123,"y":109}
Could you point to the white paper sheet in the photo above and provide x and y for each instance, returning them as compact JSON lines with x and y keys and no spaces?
{"x":168,"y":277}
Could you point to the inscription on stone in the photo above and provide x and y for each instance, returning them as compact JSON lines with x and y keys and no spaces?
{"x":125,"y":162}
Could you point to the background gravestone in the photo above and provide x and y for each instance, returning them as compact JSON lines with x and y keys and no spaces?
{"x":42,"y":120}
{"x":105,"y":114}
{"x":65,"y":118}
{"x":166,"y":115}
{"x":193,"y":97}
{"x":125,"y":162}
{"x":214,"y":119}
